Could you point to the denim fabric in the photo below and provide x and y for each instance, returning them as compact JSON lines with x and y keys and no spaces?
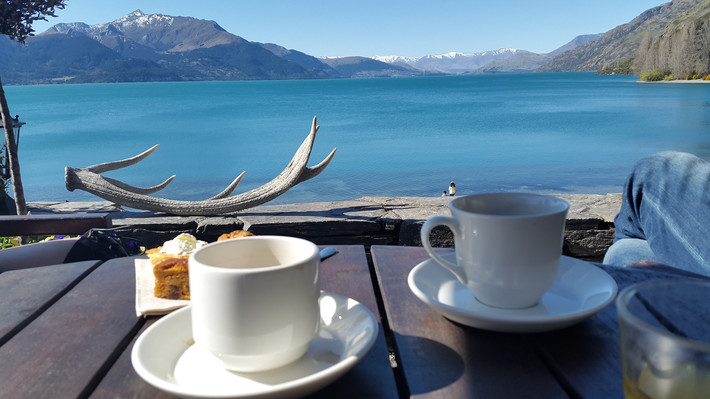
{"x":666,"y":202}
{"x":626,"y":251}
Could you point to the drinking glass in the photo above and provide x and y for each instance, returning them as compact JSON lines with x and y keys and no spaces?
{"x":664,"y":327}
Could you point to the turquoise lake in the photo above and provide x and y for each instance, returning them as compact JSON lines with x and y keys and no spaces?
{"x":547,"y":133}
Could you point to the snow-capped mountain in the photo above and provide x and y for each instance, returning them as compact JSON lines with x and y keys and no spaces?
{"x":155,"y":47}
{"x":394,"y":59}
{"x":155,"y":31}
{"x":452,"y":62}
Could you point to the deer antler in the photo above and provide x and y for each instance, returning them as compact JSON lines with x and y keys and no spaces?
{"x":89,"y":179}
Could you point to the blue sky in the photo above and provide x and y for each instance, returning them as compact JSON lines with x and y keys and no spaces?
{"x":412,"y":28}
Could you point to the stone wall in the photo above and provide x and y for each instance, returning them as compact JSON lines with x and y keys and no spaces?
{"x":365,"y":221}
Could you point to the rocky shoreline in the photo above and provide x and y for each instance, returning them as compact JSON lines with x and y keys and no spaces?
{"x":364,"y":221}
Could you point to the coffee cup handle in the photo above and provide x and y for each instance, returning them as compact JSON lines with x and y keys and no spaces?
{"x":453,"y":224}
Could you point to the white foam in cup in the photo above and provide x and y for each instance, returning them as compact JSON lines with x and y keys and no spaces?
{"x":255,"y":300}
{"x":508,"y":245}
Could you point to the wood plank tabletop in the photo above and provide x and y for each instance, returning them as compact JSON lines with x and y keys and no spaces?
{"x":68,"y":331}
{"x":60,"y":353}
{"x":443,"y":359}
{"x":587,"y":356}
{"x":346,"y":273}
{"x":25,"y":294}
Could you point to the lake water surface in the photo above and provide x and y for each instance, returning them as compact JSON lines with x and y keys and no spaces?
{"x":548,"y":133}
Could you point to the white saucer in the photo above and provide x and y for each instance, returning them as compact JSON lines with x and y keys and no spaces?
{"x":166,"y":357}
{"x":579,"y":291}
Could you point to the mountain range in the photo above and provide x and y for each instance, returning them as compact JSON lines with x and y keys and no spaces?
{"x":154,"y":47}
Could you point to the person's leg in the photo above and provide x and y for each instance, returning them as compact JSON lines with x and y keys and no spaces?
{"x":627,"y":251}
{"x":666,"y":201}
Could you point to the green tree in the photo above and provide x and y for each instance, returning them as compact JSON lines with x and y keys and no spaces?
{"x":653,"y":75}
{"x":16,"y":18}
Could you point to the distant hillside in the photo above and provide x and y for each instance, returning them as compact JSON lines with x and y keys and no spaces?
{"x":364,"y":67}
{"x":682,"y":49}
{"x":504,"y":60}
{"x":574,"y":43}
{"x":311,"y":64}
{"x":455,"y":62}
{"x":154,"y":31}
{"x":525,"y":61}
{"x":620,"y":44}
{"x":141,"y":47}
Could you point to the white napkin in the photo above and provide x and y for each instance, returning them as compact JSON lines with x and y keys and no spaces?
{"x":147,"y":304}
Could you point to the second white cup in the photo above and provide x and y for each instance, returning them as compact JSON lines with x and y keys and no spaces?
{"x":255,"y":300}
{"x":508,"y":245}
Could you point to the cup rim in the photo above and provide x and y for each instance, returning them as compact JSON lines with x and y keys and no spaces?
{"x":564,"y":205}
{"x":625,"y":313}
{"x":193,"y":259}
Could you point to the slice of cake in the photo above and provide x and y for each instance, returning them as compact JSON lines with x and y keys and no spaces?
{"x":172,"y":279}
{"x":170,"y":265}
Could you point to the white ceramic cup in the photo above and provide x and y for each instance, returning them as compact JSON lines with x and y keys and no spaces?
{"x":508,"y":245}
{"x":255,"y":300}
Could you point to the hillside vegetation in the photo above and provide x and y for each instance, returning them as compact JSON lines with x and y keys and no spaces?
{"x":682,"y":49}
{"x":620,"y":45}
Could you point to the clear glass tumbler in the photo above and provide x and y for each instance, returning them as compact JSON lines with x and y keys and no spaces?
{"x":664,"y":326}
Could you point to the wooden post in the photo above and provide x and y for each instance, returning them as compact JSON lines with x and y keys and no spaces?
{"x":20,"y":203}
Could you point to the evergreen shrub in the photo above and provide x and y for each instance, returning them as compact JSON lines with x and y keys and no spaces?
{"x":653,"y":75}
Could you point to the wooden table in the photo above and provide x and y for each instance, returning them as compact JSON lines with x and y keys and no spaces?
{"x":437,"y":358}
{"x":68,"y":330}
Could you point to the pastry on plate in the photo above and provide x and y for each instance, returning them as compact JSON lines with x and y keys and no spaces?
{"x":234,"y":234}
{"x":172,"y":279}
{"x":170,"y":266}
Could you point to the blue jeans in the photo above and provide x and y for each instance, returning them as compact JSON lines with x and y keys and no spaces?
{"x":665,"y":214}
